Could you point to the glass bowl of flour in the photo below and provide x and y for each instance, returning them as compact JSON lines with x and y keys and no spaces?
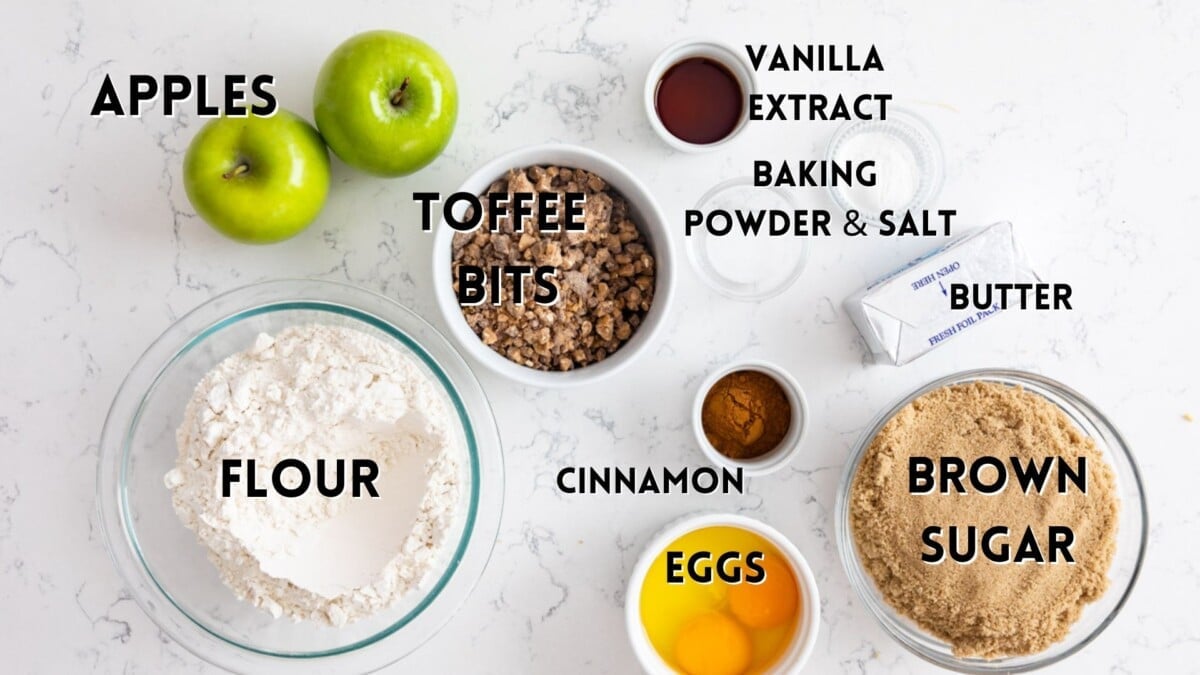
{"x":289,"y":565}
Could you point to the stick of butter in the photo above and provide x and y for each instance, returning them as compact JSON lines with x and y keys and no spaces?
{"x":907,"y":313}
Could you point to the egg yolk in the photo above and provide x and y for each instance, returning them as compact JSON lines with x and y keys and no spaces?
{"x":713,"y":644}
{"x":767,"y":604}
{"x":705,"y":626}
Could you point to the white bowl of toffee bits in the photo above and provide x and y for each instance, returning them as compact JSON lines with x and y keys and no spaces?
{"x":750,"y":415}
{"x":583,"y":243}
{"x":696,"y":93}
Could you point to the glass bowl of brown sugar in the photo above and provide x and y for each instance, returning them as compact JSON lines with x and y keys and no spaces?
{"x":992,"y":521}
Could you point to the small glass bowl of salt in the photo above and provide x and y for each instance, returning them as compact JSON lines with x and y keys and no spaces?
{"x":741,"y":265}
{"x":909,"y":165}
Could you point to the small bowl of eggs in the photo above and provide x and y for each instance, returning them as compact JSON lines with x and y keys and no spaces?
{"x":721,"y":594}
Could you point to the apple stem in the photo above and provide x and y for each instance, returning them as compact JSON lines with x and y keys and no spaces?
{"x":238,"y":170}
{"x":398,"y":95}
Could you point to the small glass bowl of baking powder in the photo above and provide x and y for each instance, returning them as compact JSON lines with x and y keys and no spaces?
{"x":1132,"y":529}
{"x":735,"y":260}
{"x":909,"y":164}
{"x":168,"y":571}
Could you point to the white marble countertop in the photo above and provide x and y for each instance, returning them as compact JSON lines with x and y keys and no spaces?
{"x":1073,"y":120}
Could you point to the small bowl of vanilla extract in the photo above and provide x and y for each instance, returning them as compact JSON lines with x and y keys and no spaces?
{"x":697,"y":94}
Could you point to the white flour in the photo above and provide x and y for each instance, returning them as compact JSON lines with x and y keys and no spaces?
{"x":319,"y":392}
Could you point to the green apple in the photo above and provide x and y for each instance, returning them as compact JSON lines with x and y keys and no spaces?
{"x":386,"y":103}
{"x":257,"y":179}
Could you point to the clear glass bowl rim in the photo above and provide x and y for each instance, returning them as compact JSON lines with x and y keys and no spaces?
{"x":937,"y":174}
{"x":737,"y":291}
{"x":913,"y":638}
{"x":128,"y":403}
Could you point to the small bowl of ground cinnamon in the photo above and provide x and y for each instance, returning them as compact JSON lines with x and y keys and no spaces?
{"x":750,"y":415}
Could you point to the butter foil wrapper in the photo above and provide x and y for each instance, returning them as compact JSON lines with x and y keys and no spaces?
{"x":907,"y":313}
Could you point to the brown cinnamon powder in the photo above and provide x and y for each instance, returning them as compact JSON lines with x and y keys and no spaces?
{"x":746,"y":414}
{"x":983,"y":608}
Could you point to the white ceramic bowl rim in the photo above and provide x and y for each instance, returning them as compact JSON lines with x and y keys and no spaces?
{"x":803,"y":642}
{"x":716,"y":50}
{"x":787,"y":449}
{"x":652,"y":225}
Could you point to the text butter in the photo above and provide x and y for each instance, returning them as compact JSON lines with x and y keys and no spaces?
{"x":907,"y":313}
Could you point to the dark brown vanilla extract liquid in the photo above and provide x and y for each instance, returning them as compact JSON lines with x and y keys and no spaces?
{"x":699,"y":101}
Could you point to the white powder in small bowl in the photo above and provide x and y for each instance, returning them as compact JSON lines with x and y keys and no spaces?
{"x":319,"y":392}
{"x":753,"y":260}
{"x":897,"y":172}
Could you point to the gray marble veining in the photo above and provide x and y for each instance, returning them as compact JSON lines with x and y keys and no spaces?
{"x":1073,"y":120}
